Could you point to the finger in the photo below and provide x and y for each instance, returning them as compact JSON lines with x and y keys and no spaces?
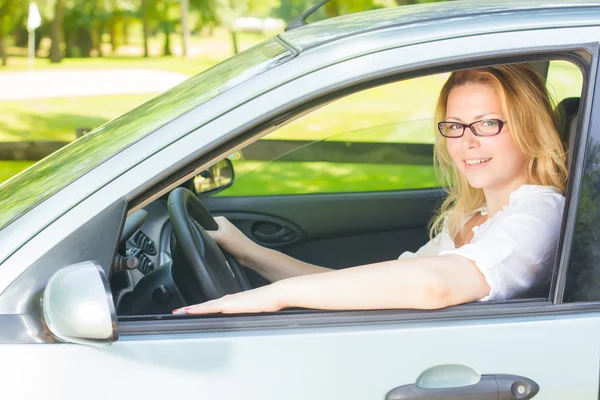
{"x":210,"y":307}
{"x":195,"y":309}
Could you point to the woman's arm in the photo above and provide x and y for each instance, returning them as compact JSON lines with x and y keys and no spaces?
{"x":271,"y":264}
{"x":275,"y":266}
{"x":421,"y":283}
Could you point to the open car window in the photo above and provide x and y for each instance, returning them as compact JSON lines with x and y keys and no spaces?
{"x":376,"y":140}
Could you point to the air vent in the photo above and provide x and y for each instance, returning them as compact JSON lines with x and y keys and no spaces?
{"x":145,"y":243}
{"x":146,"y":265}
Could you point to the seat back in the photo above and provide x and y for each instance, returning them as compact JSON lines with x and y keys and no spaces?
{"x":567,"y":113}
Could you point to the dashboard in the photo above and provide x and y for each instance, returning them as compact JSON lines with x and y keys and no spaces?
{"x":145,"y":246}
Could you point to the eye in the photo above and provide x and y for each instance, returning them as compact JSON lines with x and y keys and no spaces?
{"x":454,"y":127}
{"x":489,"y":123}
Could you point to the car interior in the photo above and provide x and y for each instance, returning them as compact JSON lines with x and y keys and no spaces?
{"x":166,"y":260}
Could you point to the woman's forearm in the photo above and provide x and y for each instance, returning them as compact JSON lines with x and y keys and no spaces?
{"x":275,"y":266}
{"x":423,"y":283}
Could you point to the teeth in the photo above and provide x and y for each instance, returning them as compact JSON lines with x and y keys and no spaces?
{"x":474,"y":162}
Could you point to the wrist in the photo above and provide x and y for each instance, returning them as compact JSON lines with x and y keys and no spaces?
{"x":279,"y":293}
{"x":252,"y":255}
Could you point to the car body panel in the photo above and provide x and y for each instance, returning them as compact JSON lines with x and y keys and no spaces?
{"x":353,"y":363}
{"x":462,"y":18}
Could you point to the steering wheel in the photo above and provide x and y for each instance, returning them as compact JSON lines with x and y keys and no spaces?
{"x":203,"y":272}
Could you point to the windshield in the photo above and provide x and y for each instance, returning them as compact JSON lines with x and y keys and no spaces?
{"x":34,"y":185}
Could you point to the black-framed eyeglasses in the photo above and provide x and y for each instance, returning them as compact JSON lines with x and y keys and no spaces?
{"x":484,"y":127}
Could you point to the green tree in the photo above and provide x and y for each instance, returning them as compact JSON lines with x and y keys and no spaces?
{"x":11,"y":13}
{"x":163,"y":15}
{"x":228,"y":10}
{"x":56,"y":32}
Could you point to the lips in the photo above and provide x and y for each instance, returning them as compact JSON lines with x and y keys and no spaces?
{"x":476,"y":162}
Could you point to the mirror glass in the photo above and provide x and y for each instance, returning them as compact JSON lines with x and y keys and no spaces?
{"x":217,"y":177}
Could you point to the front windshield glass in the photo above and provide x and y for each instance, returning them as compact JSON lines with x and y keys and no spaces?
{"x":32,"y":186}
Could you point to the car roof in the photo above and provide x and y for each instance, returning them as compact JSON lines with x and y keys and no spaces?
{"x":322,"y":32}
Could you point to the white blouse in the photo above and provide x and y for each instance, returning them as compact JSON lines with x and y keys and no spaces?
{"x":515,"y":249}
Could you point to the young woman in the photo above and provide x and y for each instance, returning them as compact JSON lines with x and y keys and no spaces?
{"x":503,"y":164}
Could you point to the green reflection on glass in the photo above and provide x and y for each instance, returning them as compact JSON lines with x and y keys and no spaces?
{"x":34,"y":185}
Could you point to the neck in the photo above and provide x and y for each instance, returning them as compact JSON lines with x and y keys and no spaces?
{"x":498,"y":197}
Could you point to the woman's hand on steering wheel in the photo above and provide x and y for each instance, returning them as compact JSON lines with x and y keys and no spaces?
{"x":233,"y":241}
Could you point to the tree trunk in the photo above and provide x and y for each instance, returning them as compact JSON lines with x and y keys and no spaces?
{"x":98,"y":32}
{"x":234,"y":42}
{"x":55,"y":33}
{"x":185,"y":28}
{"x":167,"y":31}
{"x":3,"y":55}
{"x":112,"y":31}
{"x":84,"y":41}
{"x":125,"y":30}
{"x":331,"y":9}
{"x":145,"y":27}
{"x":20,"y":34}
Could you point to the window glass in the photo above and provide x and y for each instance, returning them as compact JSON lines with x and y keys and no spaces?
{"x":374,"y":140}
{"x":564,"y":80}
{"x":583,"y":277}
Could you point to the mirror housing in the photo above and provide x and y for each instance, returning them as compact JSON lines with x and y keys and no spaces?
{"x":217,"y":177}
{"x":78,"y":307}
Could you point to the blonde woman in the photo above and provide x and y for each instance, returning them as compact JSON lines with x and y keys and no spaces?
{"x":495,"y":238}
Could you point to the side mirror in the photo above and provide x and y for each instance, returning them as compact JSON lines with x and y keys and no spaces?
{"x":78,"y":307}
{"x":214,"y":179}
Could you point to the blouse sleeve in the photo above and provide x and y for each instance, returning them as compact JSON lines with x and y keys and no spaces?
{"x":515,"y":254}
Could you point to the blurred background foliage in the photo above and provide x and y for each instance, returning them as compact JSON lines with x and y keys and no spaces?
{"x":98,"y":28}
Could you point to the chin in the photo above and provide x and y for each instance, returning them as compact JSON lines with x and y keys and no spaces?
{"x":478,"y":185}
{"x":480,"y":182}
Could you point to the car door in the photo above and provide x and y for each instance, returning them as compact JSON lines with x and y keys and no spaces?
{"x":471,"y":351}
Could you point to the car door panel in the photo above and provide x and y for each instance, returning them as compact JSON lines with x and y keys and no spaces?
{"x":336,"y":230}
{"x":343,"y":362}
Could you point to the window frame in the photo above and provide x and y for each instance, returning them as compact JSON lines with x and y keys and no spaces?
{"x":583,"y":55}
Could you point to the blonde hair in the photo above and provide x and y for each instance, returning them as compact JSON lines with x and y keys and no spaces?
{"x":527,"y":106}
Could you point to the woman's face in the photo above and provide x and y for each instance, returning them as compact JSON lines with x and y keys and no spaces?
{"x":493,"y":162}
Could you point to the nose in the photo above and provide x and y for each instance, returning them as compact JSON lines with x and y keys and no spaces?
{"x":469,"y":140}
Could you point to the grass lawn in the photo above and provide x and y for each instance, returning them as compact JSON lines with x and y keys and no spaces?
{"x":204,"y":53}
{"x":257,"y":178}
{"x":10,"y":168}
{"x":57,"y":119}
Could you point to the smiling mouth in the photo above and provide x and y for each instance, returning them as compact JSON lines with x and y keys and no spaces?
{"x":477,"y":162}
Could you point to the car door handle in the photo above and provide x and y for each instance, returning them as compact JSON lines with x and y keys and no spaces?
{"x":268,"y":232}
{"x":489,"y":387}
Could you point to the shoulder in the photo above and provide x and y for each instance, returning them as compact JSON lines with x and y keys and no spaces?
{"x":536,"y":200}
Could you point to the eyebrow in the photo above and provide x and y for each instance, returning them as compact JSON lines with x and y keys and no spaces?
{"x":477,"y":117}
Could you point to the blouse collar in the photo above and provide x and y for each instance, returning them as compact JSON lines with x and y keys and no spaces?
{"x":522,"y":192}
